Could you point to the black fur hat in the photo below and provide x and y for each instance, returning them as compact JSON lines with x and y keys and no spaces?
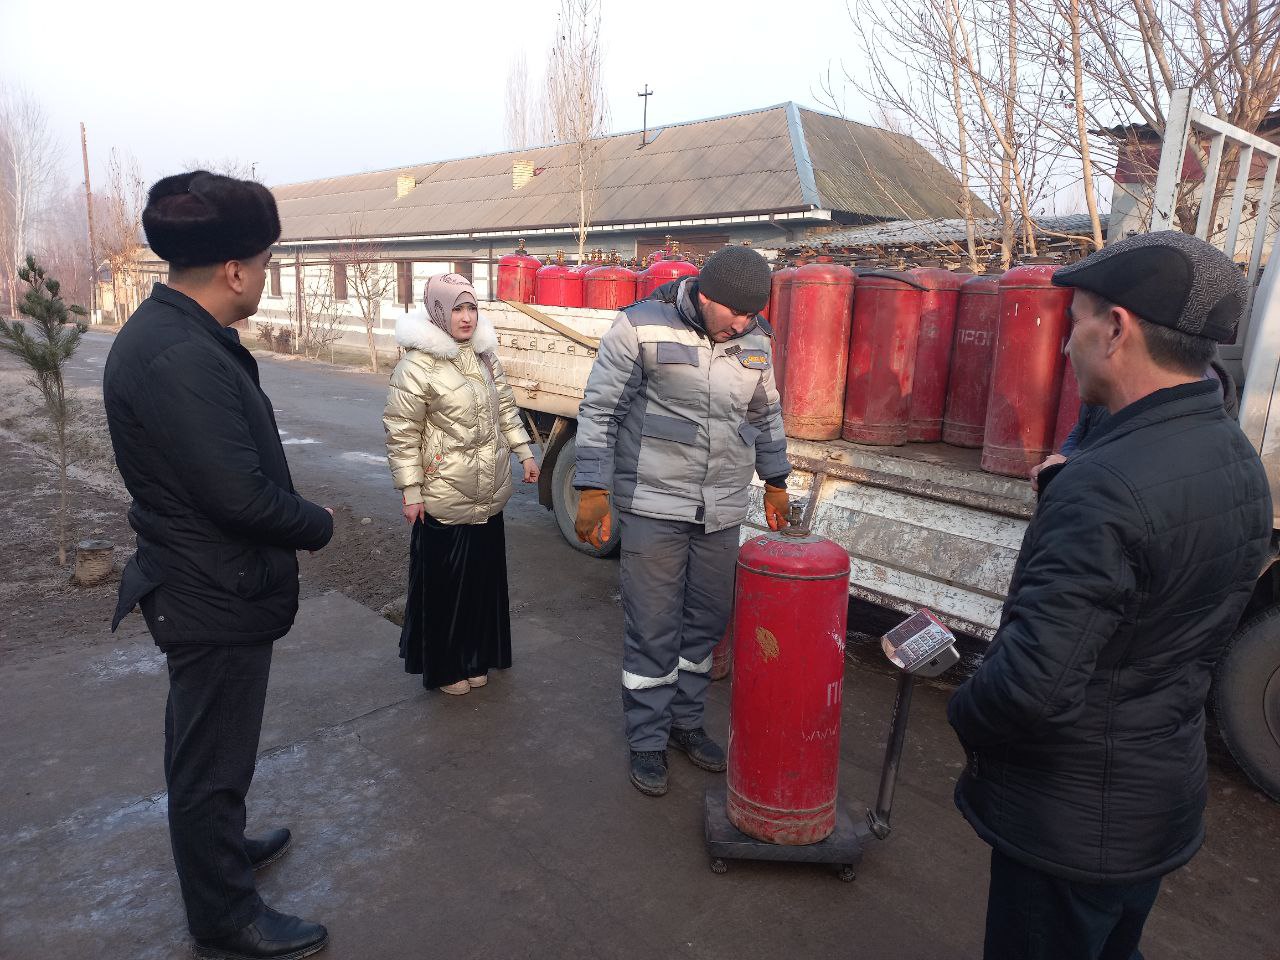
{"x":199,"y":218}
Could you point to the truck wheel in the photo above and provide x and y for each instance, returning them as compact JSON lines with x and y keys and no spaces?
{"x":564,"y":500}
{"x":1247,"y":699}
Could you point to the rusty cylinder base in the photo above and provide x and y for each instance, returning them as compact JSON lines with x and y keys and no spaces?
{"x":924,"y":431}
{"x":877,"y":434}
{"x":812,"y":428}
{"x":1011,"y":461}
{"x":787,"y":827}
{"x":963,"y":434}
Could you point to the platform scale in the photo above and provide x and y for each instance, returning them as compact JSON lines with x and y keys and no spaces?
{"x":920,"y":646}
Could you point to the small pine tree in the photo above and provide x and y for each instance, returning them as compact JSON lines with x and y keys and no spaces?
{"x":55,"y":340}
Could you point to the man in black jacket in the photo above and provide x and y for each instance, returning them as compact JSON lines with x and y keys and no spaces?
{"x":218,"y":523}
{"x":1084,"y":725}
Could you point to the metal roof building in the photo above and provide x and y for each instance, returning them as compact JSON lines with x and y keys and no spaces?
{"x":766,"y":176}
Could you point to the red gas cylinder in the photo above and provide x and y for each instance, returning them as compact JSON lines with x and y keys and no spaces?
{"x":790,"y":610}
{"x":516,"y":273}
{"x":574,"y":292}
{"x":933,"y":352}
{"x":609,"y":288}
{"x":882,"y":355}
{"x":549,"y":283}
{"x":776,"y":314}
{"x":1068,"y":407}
{"x":663,"y":271}
{"x":972,"y":350}
{"x":819,"y":314}
{"x":1022,"y":410}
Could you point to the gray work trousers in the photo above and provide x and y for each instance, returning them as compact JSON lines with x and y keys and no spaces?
{"x":677,"y":595}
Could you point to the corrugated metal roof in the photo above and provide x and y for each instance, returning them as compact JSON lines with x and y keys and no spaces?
{"x":927,"y":232}
{"x":876,"y":173}
{"x":728,"y":166}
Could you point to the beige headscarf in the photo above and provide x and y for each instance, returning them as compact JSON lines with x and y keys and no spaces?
{"x":445,"y":292}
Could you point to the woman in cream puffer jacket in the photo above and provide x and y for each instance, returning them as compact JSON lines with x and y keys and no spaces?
{"x":452,"y":424}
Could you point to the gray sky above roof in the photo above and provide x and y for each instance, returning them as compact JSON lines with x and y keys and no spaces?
{"x":330,"y":88}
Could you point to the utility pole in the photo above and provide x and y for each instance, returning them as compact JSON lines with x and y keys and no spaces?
{"x":644,"y":134}
{"x":299,"y":288}
{"x":88,"y":202}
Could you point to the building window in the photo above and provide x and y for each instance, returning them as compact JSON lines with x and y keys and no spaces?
{"x":404,"y":282}
{"x":339,"y":281}
{"x":275,"y":279}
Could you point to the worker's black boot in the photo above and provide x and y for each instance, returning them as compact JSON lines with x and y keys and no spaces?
{"x":649,"y":771}
{"x":702,"y":750}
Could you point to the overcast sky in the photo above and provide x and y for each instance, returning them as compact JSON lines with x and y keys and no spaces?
{"x":319,"y":88}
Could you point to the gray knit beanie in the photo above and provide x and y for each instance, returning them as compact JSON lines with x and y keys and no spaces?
{"x":736,"y":277}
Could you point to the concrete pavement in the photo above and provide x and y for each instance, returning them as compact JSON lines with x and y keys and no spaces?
{"x":501,"y":824}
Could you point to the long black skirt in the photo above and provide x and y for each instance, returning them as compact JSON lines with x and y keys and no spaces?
{"x":457,"y":623}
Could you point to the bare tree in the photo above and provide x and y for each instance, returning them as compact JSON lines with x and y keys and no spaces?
{"x":525,"y":114}
{"x":314,"y":313}
{"x":1030,"y":99}
{"x":951,"y":78}
{"x":577,"y":108}
{"x":120,"y":239}
{"x":227,"y":167}
{"x":29,"y":158}
{"x":61,"y":243}
{"x":370,"y":280}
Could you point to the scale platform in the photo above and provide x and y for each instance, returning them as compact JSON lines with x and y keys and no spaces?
{"x":727,"y":842}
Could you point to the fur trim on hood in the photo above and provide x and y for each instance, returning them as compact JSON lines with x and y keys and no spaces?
{"x":415,"y":331}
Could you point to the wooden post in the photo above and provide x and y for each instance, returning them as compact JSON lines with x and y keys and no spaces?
{"x":88,"y":203}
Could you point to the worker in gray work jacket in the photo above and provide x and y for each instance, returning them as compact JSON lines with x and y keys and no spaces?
{"x":680,"y":411}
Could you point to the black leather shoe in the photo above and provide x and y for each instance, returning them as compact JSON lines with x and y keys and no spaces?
{"x":649,"y":771}
{"x":702,"y":750}
{"x":272,"y":936}
{"x":267,"y":848}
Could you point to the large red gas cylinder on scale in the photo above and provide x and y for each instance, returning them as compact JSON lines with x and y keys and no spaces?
{"x":972,"y":348}
{"x":1068,"y":407}
{"x":1026,"y":376}
{"x":516,"y":276}
{"x":549,"y":283}
{"x":882,"y":356}
{"x":819,"y":314}
{"x":776,"y":314}
{"x":790,"y":613}
{"x":933,"y":352}
{"x":610,"y":287}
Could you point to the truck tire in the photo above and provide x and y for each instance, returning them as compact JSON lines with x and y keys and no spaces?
{"x":1246,"y":699}
{"x":564,"y":501}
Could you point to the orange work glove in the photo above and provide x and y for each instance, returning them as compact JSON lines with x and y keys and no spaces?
{"x":594,"y":524}
{"x":776,"y":504}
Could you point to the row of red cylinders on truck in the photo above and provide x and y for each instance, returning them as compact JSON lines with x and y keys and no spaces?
{"x":525,"y":279}
{"x":926,"y":355}
{"x":884,"y":357}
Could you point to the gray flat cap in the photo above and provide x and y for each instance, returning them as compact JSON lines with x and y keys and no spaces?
{"x":1169,"y":278}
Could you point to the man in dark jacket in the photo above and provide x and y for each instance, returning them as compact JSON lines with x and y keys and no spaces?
{"x":1084,"y":725}
{"x":218,"y":523}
